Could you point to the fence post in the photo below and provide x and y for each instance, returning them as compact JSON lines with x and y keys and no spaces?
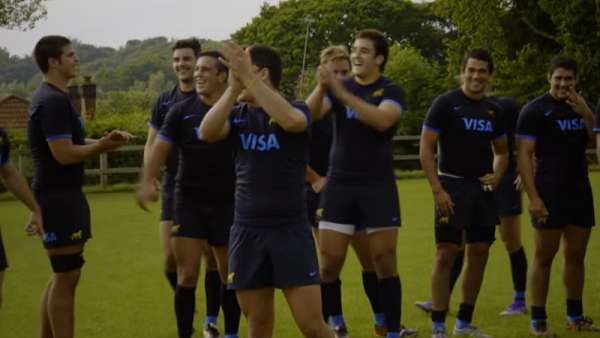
{"x":103,"y":170}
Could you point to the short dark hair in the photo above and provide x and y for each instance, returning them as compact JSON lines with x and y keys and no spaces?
{"x":561,"y":61}
{"x":263,"y":56}
{"x":379,"y":42}
{"x":50,"y":46}
{"x":216,"y":55}
{"x":192,"y":43}
{"x":481,"y":54}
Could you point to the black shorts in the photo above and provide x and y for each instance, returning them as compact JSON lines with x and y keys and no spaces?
{"x":508,"y":198}
{"x":571,"y":204}
{"x":206,"y":217}
{"x":475,"y":217}
{"x":66,"y":217}
{"x":167,"y":207}
{"x":3,"y":260}
{"x":312,"y":206}
{"x":374,"y":205}
{"x":280,"y":257}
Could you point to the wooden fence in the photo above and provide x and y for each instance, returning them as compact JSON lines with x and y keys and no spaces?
{"x":406,"y":144}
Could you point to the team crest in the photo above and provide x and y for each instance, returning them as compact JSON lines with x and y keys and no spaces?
{"x":272,"y":121}
{"x":175,"y":228}
{"x":377,"y":93}
{"x":491,"y":113}
{"x":444,"y":220}
{"x":77,"y":235}
{"x":230,"y":277}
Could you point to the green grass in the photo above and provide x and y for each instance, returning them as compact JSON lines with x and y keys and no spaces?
{"x":124,"y":294}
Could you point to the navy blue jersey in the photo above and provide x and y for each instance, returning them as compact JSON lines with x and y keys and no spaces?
{"x":159,"y":112}
{"x":4,"y":147}
{"x":360,"y":152}
{"x":510,"y":112}
{"x":320,"y":144}
{"x":51,"y":117}
{"x":202,"y":166}
{"x":466,"y":129}
{"x":561,"y":139}
{"x":270,"y":164}
{"x":597,"y":124}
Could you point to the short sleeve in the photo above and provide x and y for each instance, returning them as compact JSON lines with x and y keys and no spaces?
{"x":170,"y":126}
{"x":435,"y":120}
{"x":597,"y":119}
{"x":156,"y":118}
{"x":4,"y":148}
{"x":56,"y":117}
{"x":236,"y":118}
{"x":528,"y":126}
{"x":500,"y":123}
{"x":395,"y":95}
{"x":303,"y":108}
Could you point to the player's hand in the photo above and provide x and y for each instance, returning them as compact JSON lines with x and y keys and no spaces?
{"x":114,"y":140}
{"x":577,"y":102}
{"x":35,"y":225}
{"x":235,"y":84}
{"x":538,"y":210}
{"x":318,"y":184}
{"x":490,"y":181}
{"x":146,"y":193}
{"x":518,"y":183}
{"x":237,"y":60}
{"x":324,"y":76}
{"x":443,"y":202}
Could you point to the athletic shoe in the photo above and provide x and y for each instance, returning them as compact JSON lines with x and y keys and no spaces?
{"x":406,"y":332}
{"x":211,"y":331}
{"x":380,"y":330}
{"x":439,"y":334}
{"x":424,"y":305}
{"x":584,"y":324}
{"x":515,"y":309}
{"x":341,"y":331}
{"x":469,"y":331}
{"x":541,"y":330}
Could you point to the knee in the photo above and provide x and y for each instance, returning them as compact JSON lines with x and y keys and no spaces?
{"x":331,"y":265}
{"x":187,"y":277}
{"x":313,"y":328}
{"x":574,"y":257}
{"x":385,"y":263}
{"x":260,"y":324}
{"x":444,"y":259}
{"x":478,"y":251}
{"x":544,"y":258}
{"x":511,"y":242}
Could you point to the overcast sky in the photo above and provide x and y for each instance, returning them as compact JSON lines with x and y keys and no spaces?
{"x":113,"y":22}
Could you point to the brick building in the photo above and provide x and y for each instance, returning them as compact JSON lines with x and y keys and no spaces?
{"x":13,"y":111}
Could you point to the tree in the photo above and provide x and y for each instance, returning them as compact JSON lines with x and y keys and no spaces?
{"x":21,"y":14}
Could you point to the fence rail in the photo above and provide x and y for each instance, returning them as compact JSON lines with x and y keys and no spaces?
{"x":104,"y":171}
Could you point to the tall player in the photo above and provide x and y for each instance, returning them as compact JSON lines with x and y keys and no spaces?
{"x":14,"y":182}
{"x":270,"y":245}
{"x":465,"y":126}
{"x":337,"y":60}
{"x":184,"y":56}
{"x":203,"y":194}
{"x":58,"y":145}
{"x":556,"y":128}
{"x":361,"y":187}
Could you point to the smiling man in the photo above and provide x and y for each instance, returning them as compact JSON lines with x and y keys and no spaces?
{"x":468,"y":130}
{"x":555,"y":129}
{"x":361,"y":187}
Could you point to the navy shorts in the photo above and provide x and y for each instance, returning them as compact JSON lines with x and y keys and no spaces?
{"x":475,"y":216}
{"x":203,"y":217}
{"x":276,"y":257}
{"x":3,"y":260}
{"x":66,"y":217}
{"x":568,"y":204}
{"x":508,"y":198}
{"x":374,"y":205}
{"x":167,"y":207}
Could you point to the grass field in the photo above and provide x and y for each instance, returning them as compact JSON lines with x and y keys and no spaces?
{"x":123,"y":292}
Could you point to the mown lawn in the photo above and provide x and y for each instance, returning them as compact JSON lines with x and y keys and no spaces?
{"x":123,"y":292}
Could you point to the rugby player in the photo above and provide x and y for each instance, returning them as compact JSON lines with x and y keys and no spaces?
{"x":203,"y":194}
{"x":270,"y":245}
{"x":56,"y":136}
{"x":14,"y":182}
{"x":556,"y":128}
{"x":467,"y":126}
{"x":337,"y":60}
{"x":184,"y":55}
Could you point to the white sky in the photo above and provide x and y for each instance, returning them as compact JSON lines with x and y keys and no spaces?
{"x":113,"y":22}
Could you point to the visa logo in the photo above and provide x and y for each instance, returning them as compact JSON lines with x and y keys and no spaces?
{"x":571,"y":125}
{"x":350,"y":114}
{"x":477,"y":124}
{"x":263,"y":142}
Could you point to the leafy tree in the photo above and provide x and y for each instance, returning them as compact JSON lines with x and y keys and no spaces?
{"x":21,"y":14}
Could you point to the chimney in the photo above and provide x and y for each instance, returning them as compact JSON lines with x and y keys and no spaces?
{"x":75,"y":95}
{"x":89,"y":97}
